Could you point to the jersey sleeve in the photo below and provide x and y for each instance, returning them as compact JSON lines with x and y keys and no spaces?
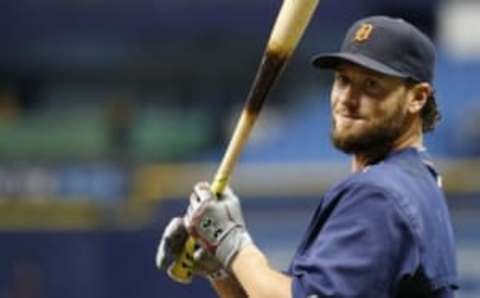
{"x":354,"y":253}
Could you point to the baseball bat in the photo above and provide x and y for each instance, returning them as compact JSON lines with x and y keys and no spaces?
{"x":287,"y":31}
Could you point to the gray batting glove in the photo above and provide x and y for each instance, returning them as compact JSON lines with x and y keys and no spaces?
{"x":171,"y":245}
{"x":217,"y":223}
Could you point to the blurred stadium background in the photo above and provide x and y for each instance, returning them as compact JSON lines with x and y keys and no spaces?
{"x":110,"y":110}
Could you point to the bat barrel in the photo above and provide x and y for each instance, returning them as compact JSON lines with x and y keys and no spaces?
{"x":270,"y":69}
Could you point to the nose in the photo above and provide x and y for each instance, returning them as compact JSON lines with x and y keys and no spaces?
{"x":349,"y":97}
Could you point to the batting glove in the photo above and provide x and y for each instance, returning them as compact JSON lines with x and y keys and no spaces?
{"x":171,"y":245}
{"x":217,"y":223}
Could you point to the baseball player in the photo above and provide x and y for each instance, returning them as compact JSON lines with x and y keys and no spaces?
{"x":383,"y":231}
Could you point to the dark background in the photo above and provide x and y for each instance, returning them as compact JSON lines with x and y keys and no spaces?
{"x":110,"y":110}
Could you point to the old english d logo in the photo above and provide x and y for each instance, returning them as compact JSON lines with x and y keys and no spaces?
{"x":363,"y":32}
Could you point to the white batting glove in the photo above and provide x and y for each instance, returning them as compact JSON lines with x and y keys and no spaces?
{"x":217,"y":223}
{"x":171,"y":245}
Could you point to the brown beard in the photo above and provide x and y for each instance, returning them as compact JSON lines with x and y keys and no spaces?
{"x":375,"y":143}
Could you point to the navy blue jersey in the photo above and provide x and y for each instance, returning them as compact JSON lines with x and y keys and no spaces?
{"x":382,"y":232}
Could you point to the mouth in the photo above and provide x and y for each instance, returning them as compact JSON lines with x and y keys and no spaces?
{"x":349,"y":116}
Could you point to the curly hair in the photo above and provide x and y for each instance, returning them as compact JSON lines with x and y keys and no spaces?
{"x":430,"y":114}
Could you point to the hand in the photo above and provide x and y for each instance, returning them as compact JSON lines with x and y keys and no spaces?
{"x":171,"y":245}
{"x":217,"y":223}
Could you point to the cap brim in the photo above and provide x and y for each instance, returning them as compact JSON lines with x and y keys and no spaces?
{"x":332,"y":60}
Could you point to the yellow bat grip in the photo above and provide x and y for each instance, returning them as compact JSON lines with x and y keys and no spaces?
{"x":182,"y":269}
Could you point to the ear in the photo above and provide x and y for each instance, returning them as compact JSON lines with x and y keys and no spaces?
{"x":419,"y":95}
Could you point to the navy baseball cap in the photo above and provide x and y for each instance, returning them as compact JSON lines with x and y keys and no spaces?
{"x":386,"y":45}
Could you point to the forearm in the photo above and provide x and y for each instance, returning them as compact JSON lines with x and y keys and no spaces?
{"x":257,"y":277}
{"x":228,"y":288}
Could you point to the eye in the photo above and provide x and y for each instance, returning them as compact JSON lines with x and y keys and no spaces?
{"x":370,"y":83}
{"x":341,"y":79}
{"x":372,"y":86}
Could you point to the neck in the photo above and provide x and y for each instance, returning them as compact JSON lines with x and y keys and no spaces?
{"x":413,"y":137}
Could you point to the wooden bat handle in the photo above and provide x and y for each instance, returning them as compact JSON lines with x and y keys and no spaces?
{"x":289,"y":27}
{"x":240,"y":136}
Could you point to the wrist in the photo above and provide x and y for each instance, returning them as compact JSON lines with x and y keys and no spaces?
{"x":231,"y":245}
{"x":247,"y":258}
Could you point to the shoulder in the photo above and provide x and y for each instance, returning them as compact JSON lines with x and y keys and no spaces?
{"x":377,"y":189}
{"x":393,"y":176}
{"x":363,"y":193}
{"x":383,"y":176}
{"x":404,"y":188}
{"x":380,"y":179}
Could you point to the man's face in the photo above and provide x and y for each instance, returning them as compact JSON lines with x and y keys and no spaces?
{"x":368,"y":110}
